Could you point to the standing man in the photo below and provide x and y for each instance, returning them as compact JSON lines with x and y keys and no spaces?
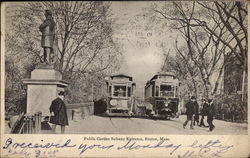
{"x":48,"y":35}
{"x":196,"y":112}
{"x":190,"y":112}
{"x":204,"y":112}
{"x":210,"y":114}
{"x":58,"y":113}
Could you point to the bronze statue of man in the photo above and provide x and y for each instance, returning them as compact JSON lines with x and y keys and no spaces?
{"x":48,"y":36}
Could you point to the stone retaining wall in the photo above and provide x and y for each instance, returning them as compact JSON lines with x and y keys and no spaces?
{"x":80,"y":110}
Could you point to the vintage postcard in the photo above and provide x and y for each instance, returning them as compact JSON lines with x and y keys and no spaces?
{"x":124,"y":79}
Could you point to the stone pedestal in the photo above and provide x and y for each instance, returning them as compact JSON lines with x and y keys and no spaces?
{"x":42,"y":88}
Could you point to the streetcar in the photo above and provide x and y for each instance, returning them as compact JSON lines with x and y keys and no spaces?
{"x":162,"y":96}
{"x":120,"y":100}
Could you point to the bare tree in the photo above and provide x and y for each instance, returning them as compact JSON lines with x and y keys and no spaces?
{"x":233,"y":17}
{"x":84,"y":34}
{"x":212,"y":31}
{"x":84,"y":42}
{"x":203,"y":49}
{"x":184,"y":62}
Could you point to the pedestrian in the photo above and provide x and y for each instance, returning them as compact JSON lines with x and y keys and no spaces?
{"x":196,"y":113}
{"x":190,"y":112}
{"x":204,"y":112}
{"x":210,"y":114}
{"x":58,"y":113}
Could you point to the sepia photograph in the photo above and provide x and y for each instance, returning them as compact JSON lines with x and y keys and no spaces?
{"x":128,"y":72}
{"x":119,"y":68}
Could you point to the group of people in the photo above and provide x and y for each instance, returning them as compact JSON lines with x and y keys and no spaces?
{"x":192,"y":112}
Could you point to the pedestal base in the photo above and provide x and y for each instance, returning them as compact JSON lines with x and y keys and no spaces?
{"x":42,"y":88}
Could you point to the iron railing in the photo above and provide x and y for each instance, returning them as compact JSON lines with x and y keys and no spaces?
{"x":28,"y":124}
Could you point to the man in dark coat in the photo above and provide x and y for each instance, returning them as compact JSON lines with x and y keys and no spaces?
{"x":203,"y":113}
{"x":190,"y":110}
{"x":58,"y":113}
{"x":196,"y":113}
{"x":210,"y":114}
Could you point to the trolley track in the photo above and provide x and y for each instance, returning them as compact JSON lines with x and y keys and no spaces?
{"x":112,"y":123}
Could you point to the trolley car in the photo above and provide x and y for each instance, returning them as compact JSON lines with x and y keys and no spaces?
{"x":120,"y":90}
{"x":161,"y":94}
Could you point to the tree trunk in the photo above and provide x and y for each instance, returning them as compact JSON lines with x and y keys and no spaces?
{"x":217,"y":81}
{"x":207,"y":86}
{"x":195,"y":89}
{"x":206,"y":91}
{"x":244,"y":76}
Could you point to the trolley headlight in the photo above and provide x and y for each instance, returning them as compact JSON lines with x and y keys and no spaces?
{"x":113,"y":102}
{"x":166,"y":104}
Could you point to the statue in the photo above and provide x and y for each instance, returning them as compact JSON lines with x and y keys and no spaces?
{"x":48,"y":36}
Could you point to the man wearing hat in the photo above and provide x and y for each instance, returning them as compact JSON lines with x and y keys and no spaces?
{"x":58,"y":113}
{"x":48,"y":35}
{"x":196,"y":112}
{"x":210,"y":114}
{"x":203,"y":112}
{"x":190,"y":110}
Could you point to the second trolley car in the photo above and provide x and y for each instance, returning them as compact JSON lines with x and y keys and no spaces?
{"x":162,"y":96}
{"x":120,"y":90}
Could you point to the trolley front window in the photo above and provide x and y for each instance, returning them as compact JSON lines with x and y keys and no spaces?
{"x":119,"y":91}
{"x":167,"y":90}
{"x":157,"y":91}
{"x":129,"y":91}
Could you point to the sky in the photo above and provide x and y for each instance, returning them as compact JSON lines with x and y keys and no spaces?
{"x":142,"y":57}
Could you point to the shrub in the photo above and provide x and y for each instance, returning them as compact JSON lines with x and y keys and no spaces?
{"x":230,"y":107}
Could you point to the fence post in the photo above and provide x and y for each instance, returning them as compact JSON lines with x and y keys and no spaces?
{"x":25,"y":127}
{"x":36,"y":123}
{"x":27,"y":124}
{"x":29,"y":120}
{"x":73,"y":112}
{"x":39,"y":121}
{"x":32,"y":124}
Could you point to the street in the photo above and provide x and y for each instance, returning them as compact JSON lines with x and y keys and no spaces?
{"x":123,"y":125}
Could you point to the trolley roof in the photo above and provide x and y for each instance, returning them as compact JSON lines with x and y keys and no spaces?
{"x":123,"y":76}
{"x":168,"y":73}
{"x":163,"y":74}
